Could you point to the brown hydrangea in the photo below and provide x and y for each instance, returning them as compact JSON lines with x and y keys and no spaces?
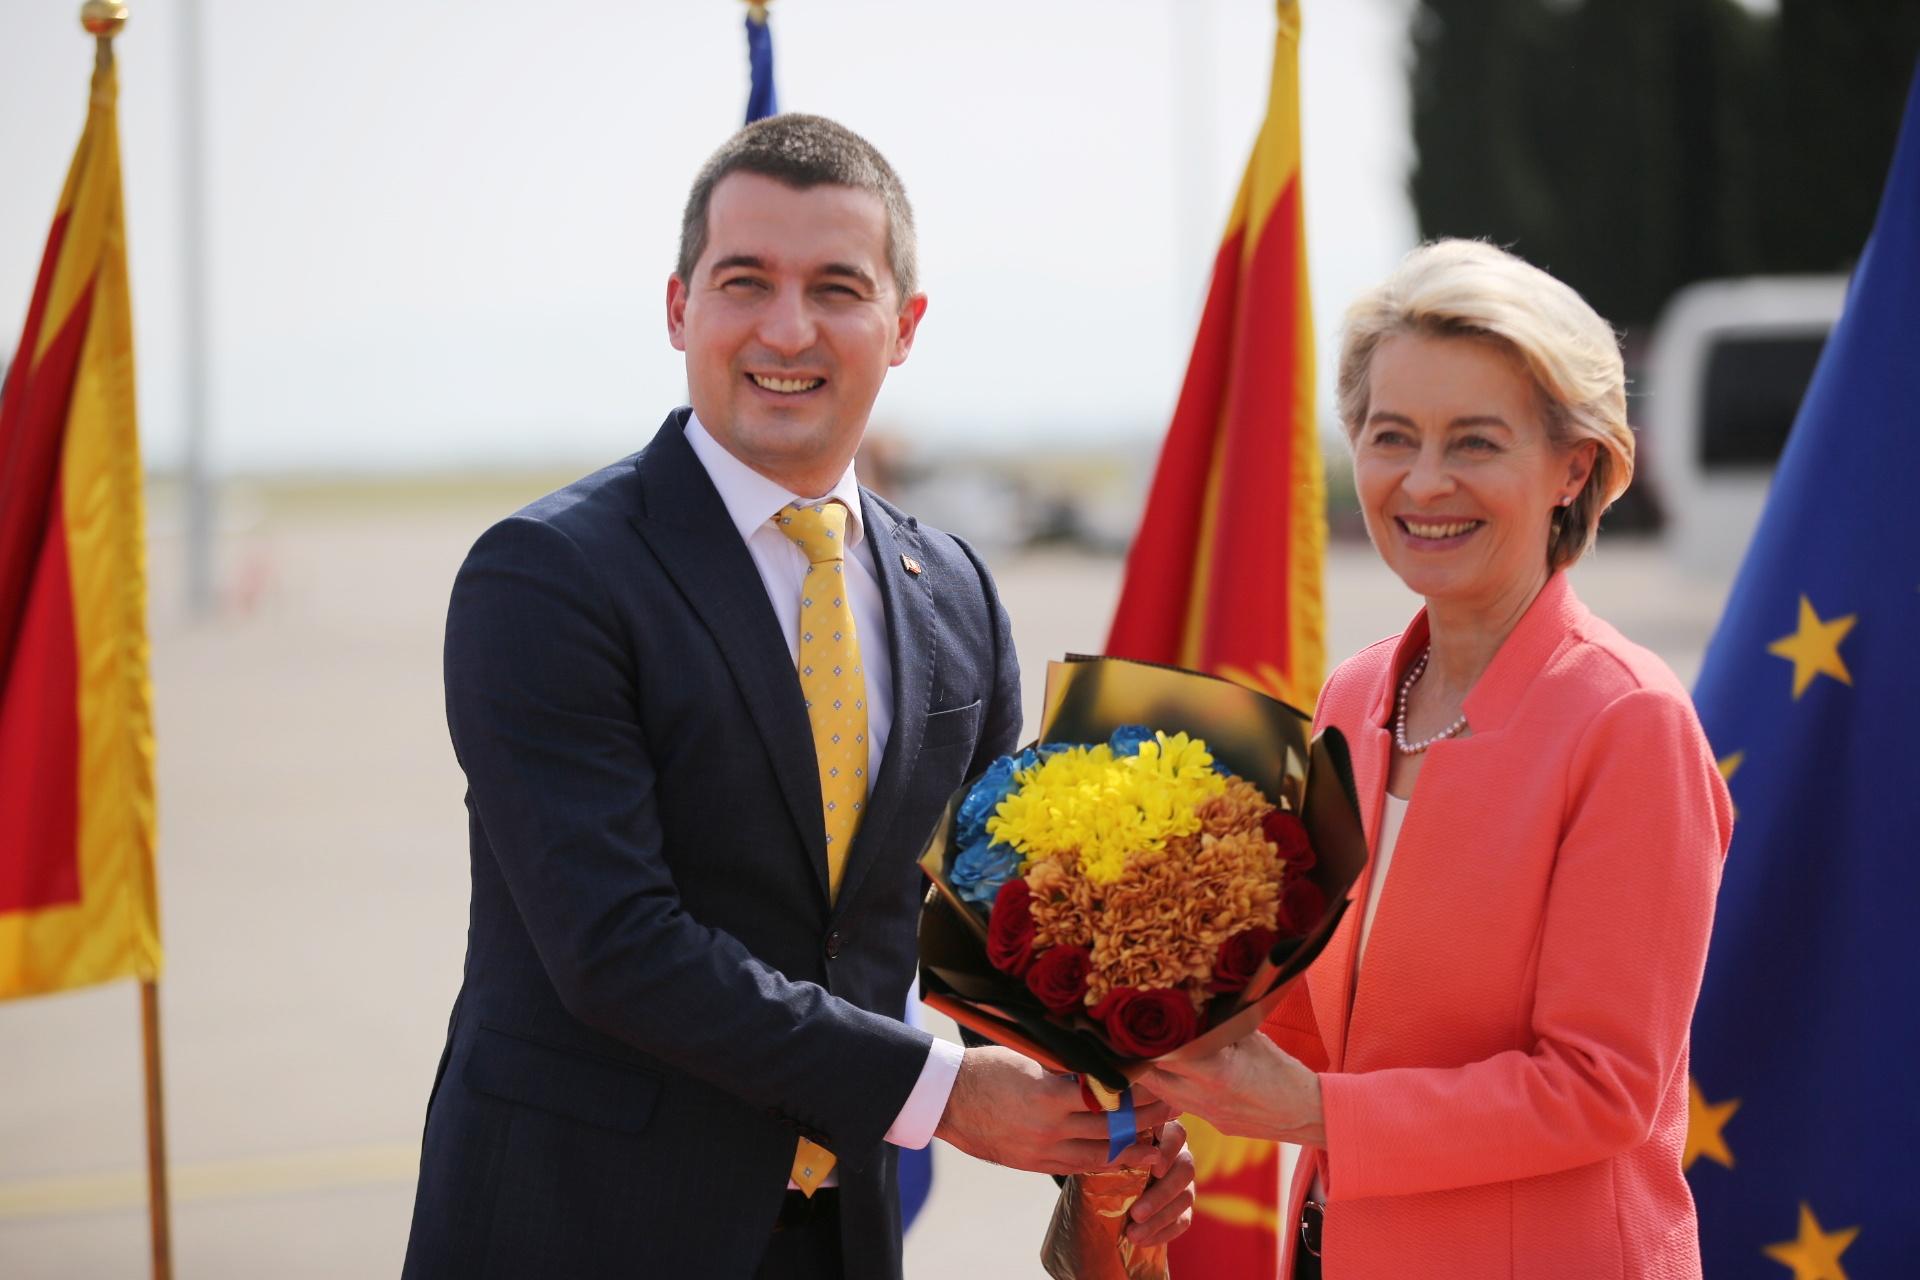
{"x":1161,"y":924}
{"x":1239,"y":808}
{"x":1062,"y":903}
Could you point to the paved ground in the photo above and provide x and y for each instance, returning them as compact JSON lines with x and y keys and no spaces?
{"x":313,"y":881}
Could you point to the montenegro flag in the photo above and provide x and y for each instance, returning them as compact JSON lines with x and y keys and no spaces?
{"x":1224,"y":575}
{"x":77,"y":895}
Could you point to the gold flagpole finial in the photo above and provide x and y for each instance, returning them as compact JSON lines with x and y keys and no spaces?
{"x":103,"y":20}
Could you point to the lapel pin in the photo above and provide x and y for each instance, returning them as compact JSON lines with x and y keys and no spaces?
{"x":911,"y":565}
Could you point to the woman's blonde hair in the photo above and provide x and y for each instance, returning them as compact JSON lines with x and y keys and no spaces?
{"x":1470,"y":289}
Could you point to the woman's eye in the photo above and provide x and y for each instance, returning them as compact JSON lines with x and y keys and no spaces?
{"x":1390,"y":439}
{"x":1477,"y":444}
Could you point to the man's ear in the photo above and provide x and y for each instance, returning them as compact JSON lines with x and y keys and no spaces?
{"x":677,"y":313}
{"x":909,"y":324}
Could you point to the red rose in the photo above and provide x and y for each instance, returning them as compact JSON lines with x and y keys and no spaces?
{"x":1010,"y":928}
{"x":1301,"y":906}
{"x":1287,"y":831}
{"x":1146,"y":1024}
{"x":1239,"y":957}
{"x":1059,"y":978}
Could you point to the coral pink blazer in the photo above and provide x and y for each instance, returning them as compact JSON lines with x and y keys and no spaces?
{"x":1505,"y":1092}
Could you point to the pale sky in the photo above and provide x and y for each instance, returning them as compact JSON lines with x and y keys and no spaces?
{"x":440,"y":233}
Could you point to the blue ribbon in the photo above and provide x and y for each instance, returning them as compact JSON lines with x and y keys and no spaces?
{"x":1122,"y":1132}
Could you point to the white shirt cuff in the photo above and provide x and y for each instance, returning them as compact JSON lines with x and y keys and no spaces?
{"x":913,"y":1127}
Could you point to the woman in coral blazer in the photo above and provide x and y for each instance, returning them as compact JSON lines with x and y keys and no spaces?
{"x":1488,"y":1066}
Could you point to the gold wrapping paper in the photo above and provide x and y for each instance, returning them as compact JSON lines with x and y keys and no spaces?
{"x":1086,"y":1239}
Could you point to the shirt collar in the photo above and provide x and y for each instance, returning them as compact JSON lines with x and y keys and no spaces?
{"x":752,"y":499}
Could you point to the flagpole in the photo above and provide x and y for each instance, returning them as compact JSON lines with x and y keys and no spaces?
{"x":159,"y":1211}
{"x":103,"y":20}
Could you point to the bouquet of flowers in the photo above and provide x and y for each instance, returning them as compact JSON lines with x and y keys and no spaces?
{"x":1133,"y":881}
{"x":1142,"y":881}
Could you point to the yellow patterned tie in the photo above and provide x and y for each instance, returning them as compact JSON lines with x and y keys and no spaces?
{"x":835,"y":689}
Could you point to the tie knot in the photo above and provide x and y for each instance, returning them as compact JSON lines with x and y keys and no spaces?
{"x":819,"y":528}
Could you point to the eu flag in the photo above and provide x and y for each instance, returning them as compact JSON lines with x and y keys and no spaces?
{"x":761,"y":99}
{"x":1805,"y":1128}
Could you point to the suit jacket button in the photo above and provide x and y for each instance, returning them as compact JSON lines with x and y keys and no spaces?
{"x":833,"y":944}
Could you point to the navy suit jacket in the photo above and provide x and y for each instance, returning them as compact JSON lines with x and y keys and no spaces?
{"x":658,"y":995}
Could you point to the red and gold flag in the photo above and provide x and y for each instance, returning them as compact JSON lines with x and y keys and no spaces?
{"x":1224,"y":575}
{"x":77,"y":894}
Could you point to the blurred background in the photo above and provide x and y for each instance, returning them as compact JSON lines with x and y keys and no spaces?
{"x":399,"y":269}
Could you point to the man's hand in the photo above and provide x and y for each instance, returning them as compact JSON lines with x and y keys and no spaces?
{"x":1006,"y":1109}
{"x":1165,"y":1208}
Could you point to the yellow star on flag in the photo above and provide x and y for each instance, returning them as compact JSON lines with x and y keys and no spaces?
{"x":1816,"y":1254}
{"x":1730,"y":766}
{"x":1814,"y":648}
{"x":1705,"y":1120}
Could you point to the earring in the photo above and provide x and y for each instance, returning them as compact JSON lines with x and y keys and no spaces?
{"x":1566,"y":499}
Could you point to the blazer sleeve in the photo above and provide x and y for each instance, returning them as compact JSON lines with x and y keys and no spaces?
{"x":541,"y":701}
{"x":1292,"y":1026}
{"x":1623,"y":942}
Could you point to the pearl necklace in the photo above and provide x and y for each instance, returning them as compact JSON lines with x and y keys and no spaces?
{"x":1412,"y":678}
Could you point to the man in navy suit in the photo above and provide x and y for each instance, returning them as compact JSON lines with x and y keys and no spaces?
{"x":682,"y":1002}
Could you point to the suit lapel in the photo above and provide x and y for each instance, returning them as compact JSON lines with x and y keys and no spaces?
{"x":687,"y":527}
{"x":1335,"y":990}
{"x":908,"y":600}
{"x":1371,"y":747}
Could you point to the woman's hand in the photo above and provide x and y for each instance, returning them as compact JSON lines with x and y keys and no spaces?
{"x":1251,"y":1089}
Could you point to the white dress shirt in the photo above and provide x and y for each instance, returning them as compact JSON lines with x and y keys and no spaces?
{"x":752,"y":500}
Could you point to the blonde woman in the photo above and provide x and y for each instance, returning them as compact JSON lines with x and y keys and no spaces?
{"x":1488,"y":1066}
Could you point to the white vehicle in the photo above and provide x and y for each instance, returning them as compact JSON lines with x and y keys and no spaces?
{"x":1728,"y":365}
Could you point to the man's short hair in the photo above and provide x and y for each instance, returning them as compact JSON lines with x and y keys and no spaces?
{"x":805,"y":151}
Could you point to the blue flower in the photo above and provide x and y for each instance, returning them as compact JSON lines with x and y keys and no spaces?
{"x":995,"y":785}
{"x":970,"y":823}
{"x":1127,"y":738}
{"x":981,"y":869}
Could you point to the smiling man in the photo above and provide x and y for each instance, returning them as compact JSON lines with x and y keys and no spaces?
{"x":709,"y":702}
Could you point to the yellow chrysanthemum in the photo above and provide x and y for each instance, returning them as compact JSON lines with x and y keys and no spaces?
{"x":1085,"y":801}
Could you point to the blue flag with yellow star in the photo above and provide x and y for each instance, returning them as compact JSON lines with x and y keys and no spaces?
{"x":762,"y":101}
{"x":1805,"y":1134}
